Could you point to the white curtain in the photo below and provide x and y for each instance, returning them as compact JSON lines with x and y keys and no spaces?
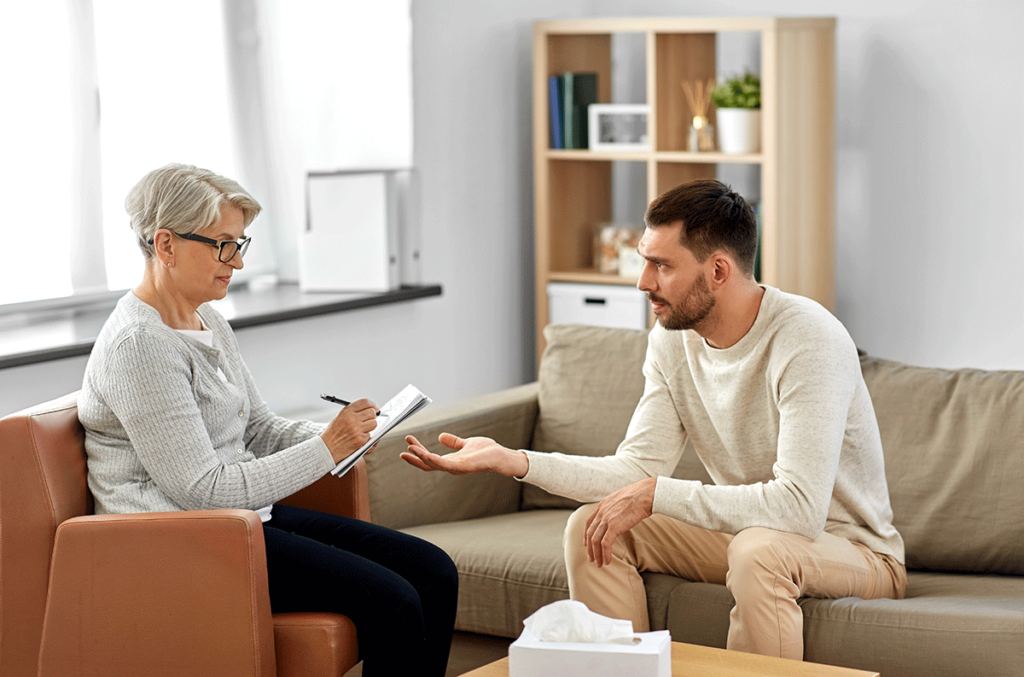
{"x":163,"y":78}
{"x":323,"y":85}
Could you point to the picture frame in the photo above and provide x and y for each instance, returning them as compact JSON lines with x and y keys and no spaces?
{"x":619,"y":127}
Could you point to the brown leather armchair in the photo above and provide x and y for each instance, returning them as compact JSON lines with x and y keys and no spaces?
{"x":182,"y":593}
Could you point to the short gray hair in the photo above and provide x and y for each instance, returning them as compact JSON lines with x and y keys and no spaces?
{"x":183,"y":199}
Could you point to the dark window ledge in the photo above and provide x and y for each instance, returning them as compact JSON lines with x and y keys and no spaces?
{"x":55,"y":336}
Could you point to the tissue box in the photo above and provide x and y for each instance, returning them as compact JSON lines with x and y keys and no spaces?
{"x":651,"y":656}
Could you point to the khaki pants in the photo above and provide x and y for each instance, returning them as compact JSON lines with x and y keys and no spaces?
{"x":766,"y":571}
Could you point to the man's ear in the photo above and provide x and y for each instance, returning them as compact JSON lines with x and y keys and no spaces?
{"x":722,"y":268}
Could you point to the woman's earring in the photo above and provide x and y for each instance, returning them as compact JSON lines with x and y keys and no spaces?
{"x":169,"y":264}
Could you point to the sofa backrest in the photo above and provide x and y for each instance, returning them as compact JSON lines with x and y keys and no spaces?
{"x":591,"y":379}
{"x":953,"y":442}
{"x":954,"y":459}
{"x":403,"y":496}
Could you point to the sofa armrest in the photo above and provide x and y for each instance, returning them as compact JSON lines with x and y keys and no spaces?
{"x":346,"y":495}
{"x":159,"y":594}
{"x":404,"y":496}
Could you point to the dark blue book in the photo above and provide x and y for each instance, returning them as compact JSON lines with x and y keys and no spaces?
{"x":555,"y":99}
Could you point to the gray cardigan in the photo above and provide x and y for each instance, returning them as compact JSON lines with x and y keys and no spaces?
{"x":164,"y":432}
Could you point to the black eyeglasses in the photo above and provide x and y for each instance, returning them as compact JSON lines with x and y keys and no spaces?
{"x":226,"y":249}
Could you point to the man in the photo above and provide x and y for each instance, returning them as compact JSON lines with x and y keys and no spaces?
{"x":768,"y":388}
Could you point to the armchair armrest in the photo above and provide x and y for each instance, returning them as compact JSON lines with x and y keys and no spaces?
{"x":404,"y":496}
{"x":346,"y":495}
{"x":159,"y":594}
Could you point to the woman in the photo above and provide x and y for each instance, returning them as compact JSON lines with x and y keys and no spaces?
{"x":173,"y":421}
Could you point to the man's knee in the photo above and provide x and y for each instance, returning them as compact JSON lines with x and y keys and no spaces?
{"x":754,"y":544}
{"x":756,"y":552}
{"x":573,"y":539}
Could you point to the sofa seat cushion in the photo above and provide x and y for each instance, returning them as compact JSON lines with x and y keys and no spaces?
{"x":509,"y":566}
{"x":981,"y":615}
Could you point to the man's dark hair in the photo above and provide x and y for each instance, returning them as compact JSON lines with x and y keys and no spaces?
{"x":713,"y":216}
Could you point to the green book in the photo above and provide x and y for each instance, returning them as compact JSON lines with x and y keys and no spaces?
{"x":567,"y":110}
{"x":584,"y":87}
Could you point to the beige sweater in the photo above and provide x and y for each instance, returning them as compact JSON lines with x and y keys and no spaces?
{"x":164,"y":432}
{"x":782,"y":420}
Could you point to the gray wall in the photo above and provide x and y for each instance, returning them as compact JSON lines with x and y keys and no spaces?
{"x":930,"y":157}
{"x":930,"y":232}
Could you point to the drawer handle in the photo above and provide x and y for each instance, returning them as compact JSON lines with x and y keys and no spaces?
{"x":594,"y":301}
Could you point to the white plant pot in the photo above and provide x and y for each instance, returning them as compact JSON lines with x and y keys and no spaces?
{"x":739,"y":130}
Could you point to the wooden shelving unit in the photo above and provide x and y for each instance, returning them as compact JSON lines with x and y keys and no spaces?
{"x":572,"y":188}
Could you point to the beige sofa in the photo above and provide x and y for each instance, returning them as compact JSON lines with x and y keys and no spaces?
{"x":954,"y":448}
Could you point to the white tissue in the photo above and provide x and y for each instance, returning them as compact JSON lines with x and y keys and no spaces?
{"x":571,"y":621}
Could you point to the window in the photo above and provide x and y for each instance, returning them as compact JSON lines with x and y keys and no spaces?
{"x":165,"y":98}
{"x":36,"y":147}
{"x":98,"y":92}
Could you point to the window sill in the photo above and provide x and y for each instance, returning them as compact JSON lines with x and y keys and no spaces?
{"x":31,"y":338}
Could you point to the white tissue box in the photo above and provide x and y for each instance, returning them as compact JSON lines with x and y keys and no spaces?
{"x":651,"y":656}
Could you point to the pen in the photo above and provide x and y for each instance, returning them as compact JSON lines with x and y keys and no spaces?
{"x":336,"y":400}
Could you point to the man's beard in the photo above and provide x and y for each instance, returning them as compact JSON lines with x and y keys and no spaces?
{"x":691,"y":311}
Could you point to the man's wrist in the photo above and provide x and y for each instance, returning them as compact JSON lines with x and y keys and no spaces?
{"x":654,"y":493}
{"x":520,"y":463}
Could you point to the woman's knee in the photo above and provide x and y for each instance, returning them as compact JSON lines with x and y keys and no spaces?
{"x":435,"y":564}
{"x":445,"y":572}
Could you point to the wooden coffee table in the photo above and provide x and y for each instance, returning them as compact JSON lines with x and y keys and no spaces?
{"x":689,"y":659}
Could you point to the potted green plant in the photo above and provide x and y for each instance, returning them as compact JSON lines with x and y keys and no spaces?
{"x":738,"y":100}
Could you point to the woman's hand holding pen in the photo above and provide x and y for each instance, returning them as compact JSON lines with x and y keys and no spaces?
{"x":473,"y":455}
{"x":350,"y":429}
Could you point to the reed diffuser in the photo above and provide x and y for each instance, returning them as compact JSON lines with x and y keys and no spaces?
{"x":698,"y":95}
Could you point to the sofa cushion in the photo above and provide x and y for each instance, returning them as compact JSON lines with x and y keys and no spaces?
{"x":591,"y":379}
{"x":954,"y":458}
{"x":981,"y":615}
{"x":509,"y":566}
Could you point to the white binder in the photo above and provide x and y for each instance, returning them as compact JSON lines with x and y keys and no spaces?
{"x":351,"y":239}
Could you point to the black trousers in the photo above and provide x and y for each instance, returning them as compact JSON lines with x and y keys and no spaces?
{"x":400,"y":591}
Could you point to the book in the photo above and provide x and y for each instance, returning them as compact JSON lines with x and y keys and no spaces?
{"x":555,"y":95}
{"x":407,"y":402}
{"x":568,"y":94}
{"x":584,"y":93}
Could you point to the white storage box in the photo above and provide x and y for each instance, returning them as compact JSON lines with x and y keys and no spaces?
{"x":351,"y":238}
{"x":651,"y":656}
{"x":600,"y":305}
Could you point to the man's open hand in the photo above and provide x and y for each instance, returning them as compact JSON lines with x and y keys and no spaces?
{"x":473,"y":455}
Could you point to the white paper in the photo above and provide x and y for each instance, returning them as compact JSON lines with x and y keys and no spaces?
{"x":407,"y":402}
{"x":571,"y":621}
